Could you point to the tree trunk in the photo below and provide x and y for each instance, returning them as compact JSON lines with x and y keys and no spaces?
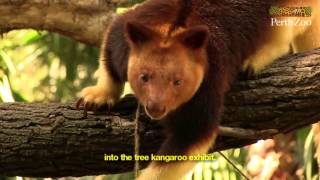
{"x":56,"y":140}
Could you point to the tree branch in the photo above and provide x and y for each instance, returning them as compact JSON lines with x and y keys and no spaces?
{"x":84,"y":21}
{"x":56,"y":140}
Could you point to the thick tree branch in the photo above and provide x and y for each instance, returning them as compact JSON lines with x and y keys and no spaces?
{"x":84,"y":21}
{"x":56,"y":140}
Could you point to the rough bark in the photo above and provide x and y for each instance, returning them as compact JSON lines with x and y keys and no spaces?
{"x":56,"y":140}
{"x":82,"y":20}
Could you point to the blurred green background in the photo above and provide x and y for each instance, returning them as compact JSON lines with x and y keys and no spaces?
{"x":40,"y":66}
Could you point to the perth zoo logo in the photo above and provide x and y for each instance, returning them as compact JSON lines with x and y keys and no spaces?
{"x":290,"y":16}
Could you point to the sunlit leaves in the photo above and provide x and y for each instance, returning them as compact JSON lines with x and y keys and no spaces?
{"x":220,"y":169}
{"x":5,"y":90}
{"x":43,"y":66}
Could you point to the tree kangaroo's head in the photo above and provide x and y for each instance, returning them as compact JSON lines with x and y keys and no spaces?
{"x":165,"y":72}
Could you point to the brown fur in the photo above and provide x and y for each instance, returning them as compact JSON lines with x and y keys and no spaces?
{"x":176,"y":170}
{"x":175,"y":60}
{"x":223,"y":35}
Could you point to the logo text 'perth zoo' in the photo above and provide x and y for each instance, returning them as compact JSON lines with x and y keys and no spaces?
{"x":290,"y":16}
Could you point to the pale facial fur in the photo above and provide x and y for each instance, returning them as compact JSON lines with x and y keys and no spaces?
{"x":165,"y":73}
{"x":164,"y":78}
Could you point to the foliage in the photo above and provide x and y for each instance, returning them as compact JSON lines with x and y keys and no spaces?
{"x":220,"y":169}
{"x":42,"y":66}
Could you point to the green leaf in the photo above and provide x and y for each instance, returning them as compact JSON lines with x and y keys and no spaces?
{"x":308,"y":155}
{"x":31,"y":37}
{"x":5,"y":90}
{"x":8,"y":62}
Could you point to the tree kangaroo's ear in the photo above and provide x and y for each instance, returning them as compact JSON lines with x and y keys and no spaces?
{"x":194,"y":37}
{"x":138,"y":34}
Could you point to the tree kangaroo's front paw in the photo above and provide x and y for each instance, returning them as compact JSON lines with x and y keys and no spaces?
{"x":247,"y":74}
{"x":94,"y":97}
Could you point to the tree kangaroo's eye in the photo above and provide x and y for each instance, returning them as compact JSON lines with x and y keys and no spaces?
{"x":177,"y":82}
{"x":144,"y":77}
